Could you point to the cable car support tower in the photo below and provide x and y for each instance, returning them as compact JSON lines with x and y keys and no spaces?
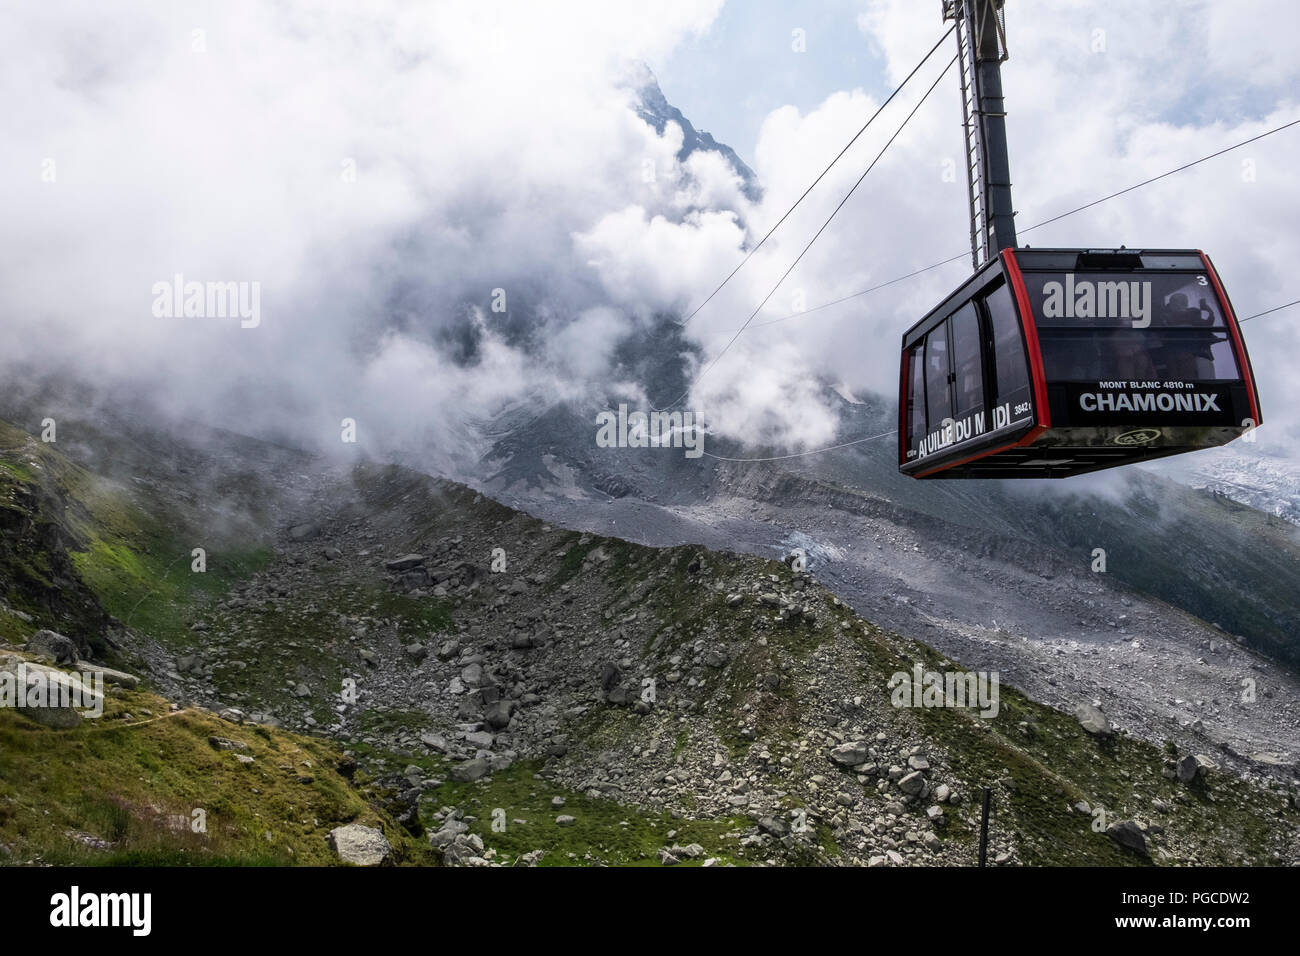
{"x":982,"y":47}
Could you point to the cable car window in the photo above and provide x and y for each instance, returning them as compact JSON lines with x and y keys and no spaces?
{"x":1130,"y":327}
{"x":915,"y":396}
{"x":938,"y":403}
{"x":1137,"y":355}
{"x":1011,"y":372}
{"x":1135,"y":300}
{"x":967,"y":363}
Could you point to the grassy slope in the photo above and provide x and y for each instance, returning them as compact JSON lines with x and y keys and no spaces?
{"x":124,"y":781}
{"x":136,"y":560}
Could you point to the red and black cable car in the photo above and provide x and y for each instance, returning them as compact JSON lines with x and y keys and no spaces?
{"x":1053,"y":362}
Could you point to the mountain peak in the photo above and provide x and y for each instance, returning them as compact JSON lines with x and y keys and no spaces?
{"x":655,"y":109}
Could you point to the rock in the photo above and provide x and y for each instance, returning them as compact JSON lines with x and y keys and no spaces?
{"x":1128,"y":835}
{"x":46,"y":687}
{"x":666,"y":857}
{"x":498,"y":715}
{"x":232,"y":714}
{"x":918,"y":763}
{"x":942,"y":793}
{"x":850,"y":754}
{"x":480,"y":739}
{"x":360,"y":846}
{"x":120,"y":678}
{"x":434,"y":742}
{"x":472,"y":675}
{"x":470,"y":770}
{"x":564,"y":820}
{"x":405,"y":563}
{"x":302,"y":691}
{"x":448,"y":649}
{"x":912,"y":784}
{"x":303,"y":532}
{"x":735,"y":600}
{"x":610,"y":676}
{"x":186,"y":663}
{"x":331,"y":554}
{"x":1270,"y":759}
{"x":53,"y":718}
{"x":773,"y":826}
{"x":1194,"y":767}
{"x":465,"y":850}
{"x":416,"y":652}
{"x":447,"y":833}
{"x":415,"y":578}
{"x":1092,"y":720}
{"x":54,"y":646}
{"x":225,"y":743}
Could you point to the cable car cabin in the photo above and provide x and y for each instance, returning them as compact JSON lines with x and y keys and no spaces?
{"x":1053,"y":362}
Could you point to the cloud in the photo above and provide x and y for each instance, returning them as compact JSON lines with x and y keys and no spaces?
{"x":379,"y":169}
{"x":384,"y":169}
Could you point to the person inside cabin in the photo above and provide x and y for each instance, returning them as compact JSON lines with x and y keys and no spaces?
{"x":1186,"y":356}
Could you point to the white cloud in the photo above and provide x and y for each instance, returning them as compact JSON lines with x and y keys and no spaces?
{"x":494,"y":146}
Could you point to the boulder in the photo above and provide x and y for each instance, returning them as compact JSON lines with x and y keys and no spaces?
{"x":120,"y":678}
{"x":470,"y":770}
{"x":405,"y":563}
{"x":1128,"y":835}
{"x":1194,"y":767}
{"x":54,"y":646}
{"x":850,"y":754}
{"x":1092,"y":720}
{"x":360,"y":846}
{"x":913,"y":784}
{"x":435,"y":742}
{"x":498,"y":715}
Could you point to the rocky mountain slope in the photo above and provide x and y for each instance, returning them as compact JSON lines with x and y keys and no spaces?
{"x":514,"y":692}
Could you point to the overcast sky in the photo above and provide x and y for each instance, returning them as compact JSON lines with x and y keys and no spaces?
{"x":380,"y":168}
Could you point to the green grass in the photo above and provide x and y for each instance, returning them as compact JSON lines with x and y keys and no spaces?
{"x":132,"y":785}
{"x":604,"y":832}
